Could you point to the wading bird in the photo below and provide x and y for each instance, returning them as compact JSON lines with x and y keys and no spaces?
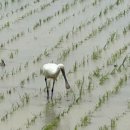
{"x":52,"y":70}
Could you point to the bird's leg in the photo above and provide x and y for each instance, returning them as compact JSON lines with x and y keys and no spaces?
{"x":47,"y":88}
{"x":52,"y":89}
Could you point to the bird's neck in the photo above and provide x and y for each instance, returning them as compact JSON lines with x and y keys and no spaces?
{"x":63,"y":72}
{"x":66,"y":82}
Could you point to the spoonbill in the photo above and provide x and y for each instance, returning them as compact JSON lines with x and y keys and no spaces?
{"x":52,"y":70}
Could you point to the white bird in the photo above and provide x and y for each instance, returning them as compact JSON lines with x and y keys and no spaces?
{"x":52,"y":70}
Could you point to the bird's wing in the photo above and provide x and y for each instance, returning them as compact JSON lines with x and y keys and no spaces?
{"x":50,"y":69}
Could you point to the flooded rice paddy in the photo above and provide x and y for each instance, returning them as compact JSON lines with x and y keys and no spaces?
{"x":91,"y":38}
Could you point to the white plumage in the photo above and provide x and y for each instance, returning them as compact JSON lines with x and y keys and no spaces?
{"x":52,"y":70}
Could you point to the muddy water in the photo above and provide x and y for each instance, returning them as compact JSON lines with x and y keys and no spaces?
{"x":45,"y":37}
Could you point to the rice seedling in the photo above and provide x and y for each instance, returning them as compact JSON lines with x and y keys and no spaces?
{"x":85,"y":120}
{"x":41,"y":71}
{"x":38,"y":24}
{"x":105,"y":98}
{"x":116,"y":55}
{"x":128,"y":104}
{"x":104,"y":128}
{"x":31,"y":121}
{"x":90,"y":86}
{"x":75,"y":66}
{"x":28,"y":79}
{"x":103,"y":78}
{"x":26,"y":64}
{"x":119,"y":84}
{"x":2,"y":77}
{"x":96,"y":54}
{"x":74,"y":46}
{"x":64,"y":54}
{"x":53,"y":124}
{"x":11,"y":55}
{"x":122,"y":64}
{"x":95,"y":2}
{"x":38,"y":58}
{"x":34,"y":75}
{"x":24,"y":99}
{"x":80,"y":84}
{"x":2,"y":96}
{"x":119,"y":2}
{"x":22,"y":82}
{"x":113,"y":37}
{"x":97,"y":72}
{"x":126,"y":29}
{"x":83,"y":61}
{"x":105,"y":11}
{"x":113,"y":124}
{"x":76,"y":128}
{"x":46,"y":53}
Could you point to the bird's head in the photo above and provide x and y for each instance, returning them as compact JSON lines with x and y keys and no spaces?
{"x":61,"y":66}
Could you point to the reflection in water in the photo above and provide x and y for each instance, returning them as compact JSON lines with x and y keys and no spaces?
{"x":49,"y":112}
{"x":51,"y":116}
